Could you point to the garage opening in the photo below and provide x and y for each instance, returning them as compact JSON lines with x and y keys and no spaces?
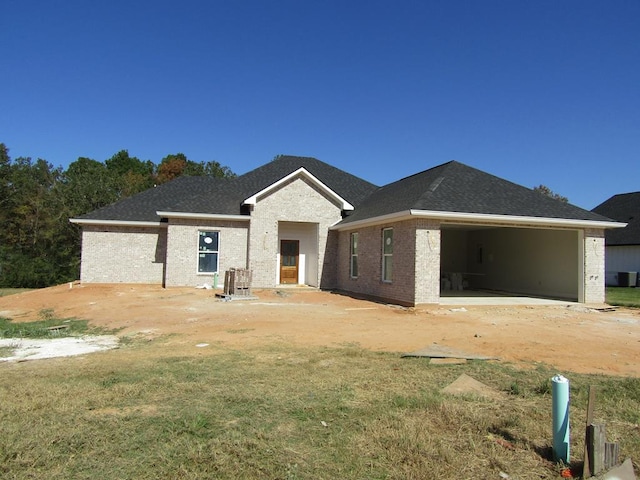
{"x":483,"y":260}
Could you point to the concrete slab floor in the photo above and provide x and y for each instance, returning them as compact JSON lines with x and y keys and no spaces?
{"x":475,"y":297}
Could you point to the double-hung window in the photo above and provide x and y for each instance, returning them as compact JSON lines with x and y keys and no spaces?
{"x":387,"y":254}
{"x":208,"y":245}
{"x":354,"y":255}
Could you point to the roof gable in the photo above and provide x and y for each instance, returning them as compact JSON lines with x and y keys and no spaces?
{"x":300,"y":173}
{"x":343,"y":184}
{"x":624,"y":207}
{"x":209,"y":196}
{"x":228,"y":199}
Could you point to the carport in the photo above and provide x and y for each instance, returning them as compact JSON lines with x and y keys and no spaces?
{"x":517,"y":260}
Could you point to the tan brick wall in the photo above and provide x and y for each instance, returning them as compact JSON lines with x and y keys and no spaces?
{"x":415,"y":278}
{"x":182,"y":243}
{"x":428,"y":249}
{"x":123,"y":254}
{"x":296,"y":201}
{"x":594,"y":266}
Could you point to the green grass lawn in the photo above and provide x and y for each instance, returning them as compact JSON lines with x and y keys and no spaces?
{"x":11,"y":291}
{"x":147,"y":411}
{"x":624,"y":296}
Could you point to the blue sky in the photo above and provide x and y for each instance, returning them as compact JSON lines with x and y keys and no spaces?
{"x":543,"y":92}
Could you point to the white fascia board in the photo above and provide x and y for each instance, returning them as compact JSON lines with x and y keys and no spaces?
{"x":392,"y":217}
{"x":516,"y":219}
{"x":252,"y":200}
{"x":204,"y":216}
{"x":116,"y":223}
{"x":482,"y":218}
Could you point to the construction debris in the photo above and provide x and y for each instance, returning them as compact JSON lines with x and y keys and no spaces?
{"x":466,"y":385}
{"x":621,"y":472}
{"x":441,"y":351}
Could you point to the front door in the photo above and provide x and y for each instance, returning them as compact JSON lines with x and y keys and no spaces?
{"x":289,"y":256}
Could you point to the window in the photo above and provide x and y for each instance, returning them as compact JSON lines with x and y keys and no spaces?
{"x":354,"y":255}
{"x":208,"y":252}
{"x":387,"y":254}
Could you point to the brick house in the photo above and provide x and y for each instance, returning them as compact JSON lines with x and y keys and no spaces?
{"x":622,"y":246}
{"x":297,"y":220}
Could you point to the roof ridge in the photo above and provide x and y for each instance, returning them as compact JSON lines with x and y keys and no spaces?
{"x":625,"y":194}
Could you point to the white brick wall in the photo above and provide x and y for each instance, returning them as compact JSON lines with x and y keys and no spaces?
{"x":428,"y":241}
{"x":123,"y":254}
{"x":594,"y":264}
{"x":182,"y":247}
{"x":296,"y":201}
{"x":138,"y":254}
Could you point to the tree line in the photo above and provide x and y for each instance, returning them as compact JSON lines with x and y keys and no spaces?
{"x":39,"y":247}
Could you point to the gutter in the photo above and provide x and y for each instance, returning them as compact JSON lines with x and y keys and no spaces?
{"x":117,"y":223}
{"x":204,"y":216}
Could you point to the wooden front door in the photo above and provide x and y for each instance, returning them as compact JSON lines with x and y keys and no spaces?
{"x":289,"y":256}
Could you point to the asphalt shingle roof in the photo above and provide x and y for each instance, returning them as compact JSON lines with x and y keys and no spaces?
{"x":455,"y":187}
{"x":624,"y":207}
{"x":143,"y":206}
{"x":450,"y":187}
{"x":209,"y":195}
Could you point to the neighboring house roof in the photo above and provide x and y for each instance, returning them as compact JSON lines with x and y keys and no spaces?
{"x":215,"y":196}
{"x":454,"y":188}
{"x":624,"y":207}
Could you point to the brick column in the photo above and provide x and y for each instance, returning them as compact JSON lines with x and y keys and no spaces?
{"x":427,"y":260}
{"x":594,"y":281}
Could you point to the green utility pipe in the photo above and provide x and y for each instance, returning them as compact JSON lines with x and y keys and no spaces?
{"x":560,"y":406}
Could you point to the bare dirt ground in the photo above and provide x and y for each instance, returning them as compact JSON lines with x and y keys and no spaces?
{"x":568,"y":337}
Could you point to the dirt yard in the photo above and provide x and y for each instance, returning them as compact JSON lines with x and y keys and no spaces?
{"x":568,"y":337}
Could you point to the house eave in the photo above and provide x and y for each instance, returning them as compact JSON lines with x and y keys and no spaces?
{"x":116,"y":223}
{"x":517,"y":219}
{"x":204,"y":216}
{"x":392,"y":217}
{"x":463,"y":217}
{"x":253,"y":199}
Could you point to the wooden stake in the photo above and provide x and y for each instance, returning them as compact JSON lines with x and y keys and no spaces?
{"x":611,"y":455}
{"x":597,"y":434}
{"x":587,"y":469}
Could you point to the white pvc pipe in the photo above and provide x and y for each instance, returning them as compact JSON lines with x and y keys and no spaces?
{"x":560,"y":407}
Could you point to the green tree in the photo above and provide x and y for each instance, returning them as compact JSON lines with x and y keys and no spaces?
{"x":546,"y":191}
{"x":177,"y":165}
{"x":214,"y":169}
{"x":38,"y":245}
{"x":87,"y":185}
{"x":131,"y":175}
{"x":32,"y":217}
{"x":5,"y":179}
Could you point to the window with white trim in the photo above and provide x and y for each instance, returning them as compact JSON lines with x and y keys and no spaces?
{"x":387,"y":254}
{"x":354,"y":255}
{"x":208,"y":245}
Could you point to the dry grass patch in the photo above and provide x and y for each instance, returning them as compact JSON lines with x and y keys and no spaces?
{"x":152,"y":411}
